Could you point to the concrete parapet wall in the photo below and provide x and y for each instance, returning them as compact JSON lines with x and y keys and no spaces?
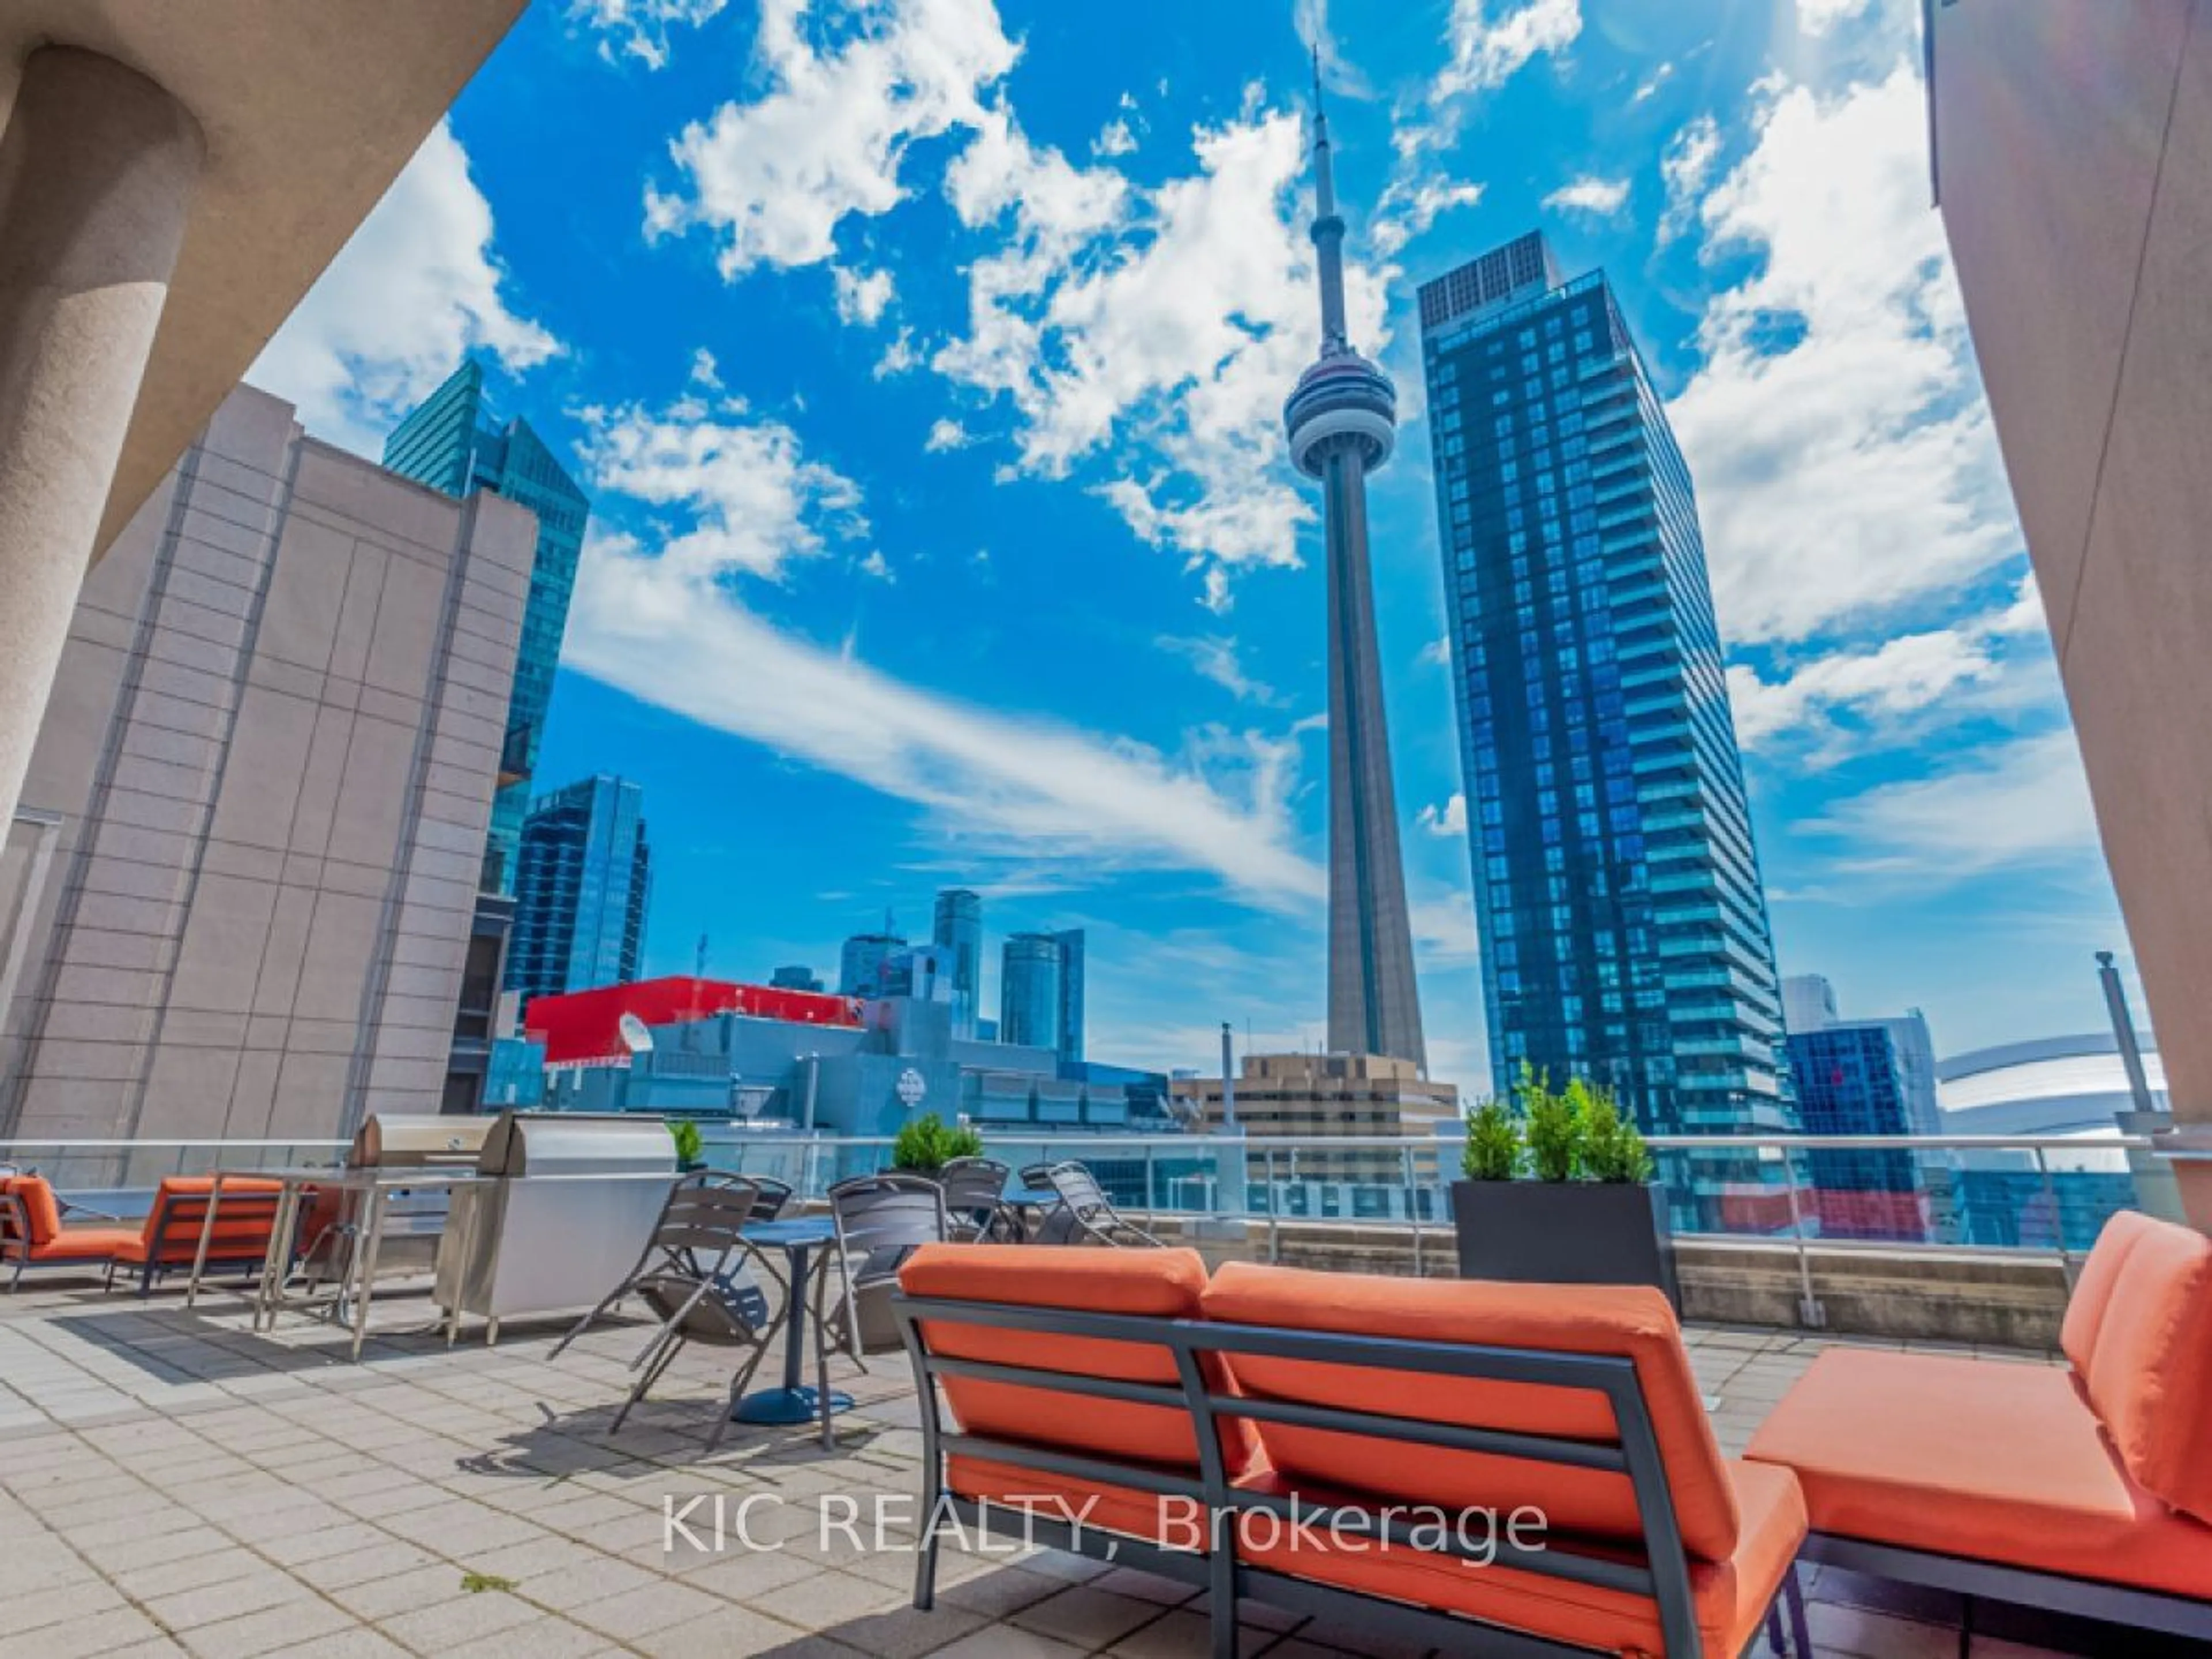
{"x":1985,"y":1298}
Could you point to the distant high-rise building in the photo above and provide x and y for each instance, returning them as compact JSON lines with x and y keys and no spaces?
{"x":1342,"y":422}
{"x":452,"y":442}
{"x":239,"y":893}
{"x":1808,"y":1003}
{"x":923,"y":972}
{"x":1071,"y":992}
{"x":583,"y":879}
{"x":959,"y":929}
{"x":862,"y":964}
{"x":795,"y":976}
{"x":1617,"y":890}
{"x":1030,"y":991}
{"x":1864,"y":1077}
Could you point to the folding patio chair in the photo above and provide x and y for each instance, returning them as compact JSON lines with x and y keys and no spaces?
{"x":881,"y":1219}
{"x":975,"y":1211}
{"x":1084,"y":1214}
{"x":694,"y":1276}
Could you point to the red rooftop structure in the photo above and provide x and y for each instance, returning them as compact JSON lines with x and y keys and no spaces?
{"x":584,"y":1028}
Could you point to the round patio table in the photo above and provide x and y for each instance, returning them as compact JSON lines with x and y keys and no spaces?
{"x":794,"y":1402}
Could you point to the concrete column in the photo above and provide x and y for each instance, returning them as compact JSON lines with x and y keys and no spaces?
{"x":97,"y":166}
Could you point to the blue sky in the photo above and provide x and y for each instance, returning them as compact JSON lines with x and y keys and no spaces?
{"x":925,"y":358}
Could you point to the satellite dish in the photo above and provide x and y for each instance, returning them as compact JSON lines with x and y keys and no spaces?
{"x":636,"y":1035}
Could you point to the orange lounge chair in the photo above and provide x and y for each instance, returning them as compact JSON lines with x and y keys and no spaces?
{"x":1121,"y":1389}
{"x":168,"y":1240}
{"x":2085,"y":1488}
{"x":31,"y":1234}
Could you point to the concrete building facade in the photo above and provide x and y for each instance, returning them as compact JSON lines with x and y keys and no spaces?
{"x":2078,"y":207}
{"x":239,"y":895}
{"x":172,"y":180}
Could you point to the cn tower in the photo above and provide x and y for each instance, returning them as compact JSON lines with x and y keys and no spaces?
{"x":1342,"y":420}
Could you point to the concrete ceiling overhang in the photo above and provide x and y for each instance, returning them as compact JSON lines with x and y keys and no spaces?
{"x":310,"y":108}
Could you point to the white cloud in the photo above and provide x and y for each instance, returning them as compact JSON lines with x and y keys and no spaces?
{"x":1005,"y":784}
{"x":1449,"y":819}
{"x":1818,"y":16}
{"x":900,"y":356}
{"x":1213,"y":656}
{"x":1114,"y":138}
{"x":878,"y":566}
{"x":1436,"y":653}
{"x":1486,"y":52}
{"x":862,"y":296}
{"x":638,"y":28}
{"x":1165,"y":324}
{"x":772,"y":178}
{"x":1311,"y":19}
{"x":415,"y":289}
{"x":1965,"y":668}
{"x":1844,"y":455}
{"x":1409,"y":208}
{"x":2024,"y":803}
{"x":705,"y":371}
{"x":1649,"y":86}
{"x":1598,"y":198}
{"x":1684,"y":166}
{"x":745,"y":498}
{"x":944,"y":434}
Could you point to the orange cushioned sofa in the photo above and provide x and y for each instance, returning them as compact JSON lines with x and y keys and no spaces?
{"x":1350,"y":1446}
{"x":32,"y":1233}
{"x":2087,"y":1487}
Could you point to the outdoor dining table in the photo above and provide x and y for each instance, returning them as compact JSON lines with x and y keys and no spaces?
{"x":794,"y":1402}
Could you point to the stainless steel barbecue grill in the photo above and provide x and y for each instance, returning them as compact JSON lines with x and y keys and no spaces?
{"x":567,"y":1204}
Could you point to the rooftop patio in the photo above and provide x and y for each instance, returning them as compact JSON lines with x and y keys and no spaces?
{"x":180,"y":1484}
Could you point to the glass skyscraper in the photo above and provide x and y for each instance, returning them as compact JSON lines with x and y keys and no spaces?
{"x":1030,"y":990}
{"x":583,"y":877}
{"x":1071,"y":992}
{"x":1625,"y":933}
{"x":452,"y":442}
{"x":959,"y":929}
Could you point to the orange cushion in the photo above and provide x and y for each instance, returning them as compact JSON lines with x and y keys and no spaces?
{"x":180,"y":1211}
{"x":2150,"y":1379}
{"x":1085,"y":1503}
{"x":1630,"y":1321}
{"x":1161,"y":1284}
{"x":2092,"y":1289}
{"x":85,"y":1244}
{"x":40,"y":1209}
{"x":1987,"y":1459}
{"x":1730,"y":1597}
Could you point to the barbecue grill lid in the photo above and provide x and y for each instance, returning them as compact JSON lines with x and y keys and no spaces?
{"x":577,"y":1143}
{"x":405,"y":1139}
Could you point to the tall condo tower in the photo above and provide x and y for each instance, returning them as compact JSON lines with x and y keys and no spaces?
{"x":1343,"y":422}
{"x":1617,"y":890}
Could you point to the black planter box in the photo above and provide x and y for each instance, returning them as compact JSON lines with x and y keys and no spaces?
{"x":1565,"y":1232}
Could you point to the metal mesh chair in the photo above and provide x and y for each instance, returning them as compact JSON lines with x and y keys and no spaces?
{"x":695,"y":1277}
{"x":774,"y":1195}
{"x":881,"y":1219}
{"x":1085,"y":1215}
{"x":974,"y":1201}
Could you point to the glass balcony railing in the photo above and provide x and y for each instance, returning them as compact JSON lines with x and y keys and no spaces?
{"x":2045,"y":1194}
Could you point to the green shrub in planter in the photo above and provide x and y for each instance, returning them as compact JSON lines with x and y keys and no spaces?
{"x":1613,"y":1150}
{"x":926,"y":1144}
{"x":1493,"y":1143}
{"x":689,"y":1147}
{"x":1553,"y":1121}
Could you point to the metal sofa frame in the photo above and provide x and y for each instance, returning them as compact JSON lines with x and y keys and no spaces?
{"x":177,"y":1222}
{"x":1993,"y":1581}
{"x":1664,"y":1577}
